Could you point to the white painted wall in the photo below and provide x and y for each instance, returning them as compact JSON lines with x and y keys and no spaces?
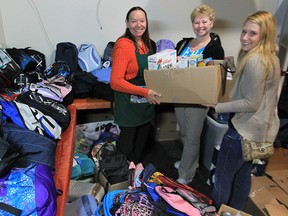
{"x":42,"y":24}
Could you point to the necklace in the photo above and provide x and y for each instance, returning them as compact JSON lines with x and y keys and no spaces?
{"x":194,"y":45}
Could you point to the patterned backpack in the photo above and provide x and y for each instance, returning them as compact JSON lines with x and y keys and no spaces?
{"x":28,"y":191}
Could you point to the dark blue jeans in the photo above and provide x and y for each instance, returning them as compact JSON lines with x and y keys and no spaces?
{"x":233,"y":175}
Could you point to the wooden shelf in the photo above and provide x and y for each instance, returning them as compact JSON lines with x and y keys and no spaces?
{"x":91,"y":103}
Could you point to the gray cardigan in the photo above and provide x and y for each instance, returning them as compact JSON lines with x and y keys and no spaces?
{"x":254,"y":102}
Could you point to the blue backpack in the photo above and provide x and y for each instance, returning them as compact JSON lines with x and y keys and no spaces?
{"x":83,"y":166}
{"x":28,"y":191}
{"x":35,"y":147}
{"x":31,"y":118}
{"x":88,"y":58}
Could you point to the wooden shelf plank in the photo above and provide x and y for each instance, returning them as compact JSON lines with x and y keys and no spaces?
{"x":91,"y":103}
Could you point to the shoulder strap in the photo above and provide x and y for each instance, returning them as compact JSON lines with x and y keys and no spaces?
{"x":10,"y":209}
{"x":182,"y":46}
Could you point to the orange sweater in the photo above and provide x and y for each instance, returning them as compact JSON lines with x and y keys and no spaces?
{"x":125,"y":67}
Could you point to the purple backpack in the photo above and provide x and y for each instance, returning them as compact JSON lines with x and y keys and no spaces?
{"x":28,"y":191}
{"x":163,"y":44}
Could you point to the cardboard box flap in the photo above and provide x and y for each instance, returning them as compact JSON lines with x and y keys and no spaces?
{"x":260,"y":194}
{"x":282,"y":183}
{"x":258,"y":182}
{"x":278,"y":161}
{"x":276,"y":210}
{"x":278,"y":173}
{"x":280,"y":195}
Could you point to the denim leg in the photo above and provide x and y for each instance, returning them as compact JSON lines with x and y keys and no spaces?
{"x":228,"y":169}
{"x":241,"y":187}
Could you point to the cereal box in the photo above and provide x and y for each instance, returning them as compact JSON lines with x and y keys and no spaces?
{"x":161,"y":60}
{"x":194,"y":60}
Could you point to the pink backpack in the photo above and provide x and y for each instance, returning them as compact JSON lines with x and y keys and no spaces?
{"x":176,"y":201}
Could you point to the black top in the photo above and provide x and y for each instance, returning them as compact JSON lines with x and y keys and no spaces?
{"x":213,"y":49}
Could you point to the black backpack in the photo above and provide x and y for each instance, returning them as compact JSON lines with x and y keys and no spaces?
{"x":108,"y":52}
{"x":17,"y":77}
{"x":82,"y":84}
{"x":28,"y":59}
{"x":47,"y":106}
{"x":112,"y":163}
{"x":68,"y":53}
{"x":102,"y":91}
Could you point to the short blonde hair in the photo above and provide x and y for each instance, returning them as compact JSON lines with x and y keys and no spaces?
{"x":203,"y":9}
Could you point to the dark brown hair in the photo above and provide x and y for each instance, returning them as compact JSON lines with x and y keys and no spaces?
{"x":145,"y":36}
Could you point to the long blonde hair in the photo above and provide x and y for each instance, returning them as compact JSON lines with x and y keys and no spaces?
{"x":266,"y":47}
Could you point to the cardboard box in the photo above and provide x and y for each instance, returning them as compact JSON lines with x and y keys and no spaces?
{"x":198,"y":85}
{"x":279,"y":161}
{"x":228,"y":209}
{"x":277,"y":168}
{"x":109,"y":187}
{"x":266,"y":197}
{"x":164,"y":59}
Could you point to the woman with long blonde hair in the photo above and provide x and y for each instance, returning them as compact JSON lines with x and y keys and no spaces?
{"x":253,"y":108}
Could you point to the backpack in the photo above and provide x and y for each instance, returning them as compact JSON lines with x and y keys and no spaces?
{"x":8,"y":157}
{"x":108,"y":52}
{"x":67,"y":52}
{"x":101,"y":88}
{"x":47,"y":106}
{"x":7,"y":63}
{"x":82,"y":84}
{"x":28,"y":59}
{"x":163,"y":44}
{"x":39,"y":58}
{"x":45,"y":89}
{"x":31,"y":118}
{"x":35,"y":147}
{"x":83,"y":166}
{"x":112,"y":163}
{"x":85,"y":205}
{"x":4,"y":81}
{"x":17,"y":77}
{"x":5,"y":59}
{"x":28,"y":191}
{"x":102,"y":91}
{"x":176,"y":201}
{"x":59,"y":72}
{"x":88,"y":58}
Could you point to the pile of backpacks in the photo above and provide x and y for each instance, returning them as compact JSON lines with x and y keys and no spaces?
{"x":130,"y":189}
{"x":34,"y":98}
{"x":149,"y":192}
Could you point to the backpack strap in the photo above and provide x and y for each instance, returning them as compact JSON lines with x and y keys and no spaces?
{"x":10,"y":209}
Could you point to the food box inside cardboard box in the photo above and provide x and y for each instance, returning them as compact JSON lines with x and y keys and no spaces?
{"x":165,"y":59}
{"x":231,"y":211}
{"x":198,"y":85}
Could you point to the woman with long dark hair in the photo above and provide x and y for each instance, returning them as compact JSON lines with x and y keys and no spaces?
{"x":134,"y":103}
